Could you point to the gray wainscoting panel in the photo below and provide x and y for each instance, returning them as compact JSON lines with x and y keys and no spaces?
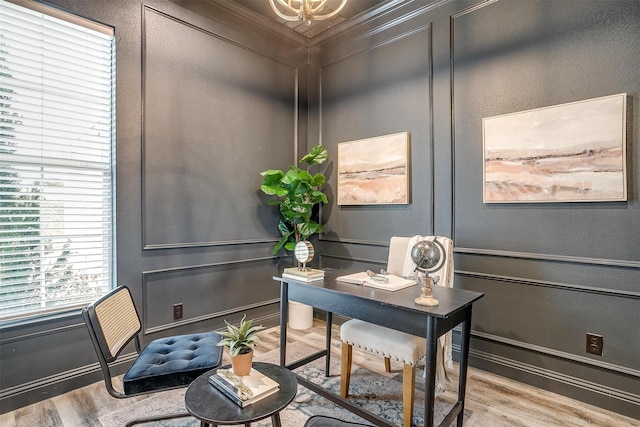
{"x":379,"y":91}
{"x":514,"y":56}
{"x":216,"y":113}
{"x":550,"y":272}
{"x":207,"y":291}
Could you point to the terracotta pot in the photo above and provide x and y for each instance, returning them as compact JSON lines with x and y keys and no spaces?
{"x":241,"y":363}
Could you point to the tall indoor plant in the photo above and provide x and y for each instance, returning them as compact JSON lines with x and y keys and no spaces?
{"x":298,"y":192}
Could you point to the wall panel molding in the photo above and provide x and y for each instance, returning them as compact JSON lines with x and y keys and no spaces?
{"x":549,"y":257}
{"x":452,"y":18}
{"x":217,"y":314}
{"x":147,"y":291}
{"x":549,"y":284}
{"x":325,"y":238}
{"x":207,"y":244}
{"x":335,"y":99}
{"x":203,"y":126}
{"x":352,"y":259}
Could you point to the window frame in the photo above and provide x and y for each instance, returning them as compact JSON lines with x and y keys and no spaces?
{"x":73,"y":307}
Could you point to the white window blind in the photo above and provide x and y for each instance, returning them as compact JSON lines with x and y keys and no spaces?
{"x":57,"y":122}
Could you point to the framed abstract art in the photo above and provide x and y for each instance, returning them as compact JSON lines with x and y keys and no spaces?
{"x":573,"y":152}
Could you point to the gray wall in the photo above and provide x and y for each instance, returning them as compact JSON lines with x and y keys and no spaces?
{"x":223,"y":99}
{"x":550,"y":272}
{"x":203,"y":105}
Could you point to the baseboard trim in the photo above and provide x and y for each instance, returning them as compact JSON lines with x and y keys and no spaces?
{"x":578,"y":383}
{"x":555,"y":353}
{"x":53,"y":380}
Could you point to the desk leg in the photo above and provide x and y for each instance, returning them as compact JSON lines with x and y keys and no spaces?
{"x":275,"y":420}
{"x":430,"y":368}
{"x":284,"y":318}
{"x":464,"y":361}
{"x":328,"y":324}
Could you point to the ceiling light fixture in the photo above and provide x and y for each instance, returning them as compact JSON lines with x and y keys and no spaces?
{"x":304,"y":10}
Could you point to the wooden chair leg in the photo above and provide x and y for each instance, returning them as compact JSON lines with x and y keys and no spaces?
{"x":408,"y":387}
{"x":345,"y":371}
{"x":387,"y":364}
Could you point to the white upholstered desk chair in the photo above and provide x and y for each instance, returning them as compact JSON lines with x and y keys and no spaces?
{"x":396,"y":345}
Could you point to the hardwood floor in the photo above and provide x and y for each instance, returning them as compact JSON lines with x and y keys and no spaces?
{"x":494,"y":401}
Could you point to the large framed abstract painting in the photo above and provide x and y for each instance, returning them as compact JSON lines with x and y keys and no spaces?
{"x":573,"y":152}
{"x":374,"y":170}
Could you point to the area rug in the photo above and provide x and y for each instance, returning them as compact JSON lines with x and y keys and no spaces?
{"x":378,"y":394}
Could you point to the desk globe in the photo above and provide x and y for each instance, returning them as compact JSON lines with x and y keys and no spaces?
{"x":428,"y":256}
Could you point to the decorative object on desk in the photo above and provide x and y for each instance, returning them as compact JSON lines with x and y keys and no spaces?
{"x":304,"y":254}
{"x":374,"y":171}
{"x":574,"y":152}
{"x":301,"y":315}
{"x":378,"y":278}
{"x":243,"y":390}
{"x":428,"y":256}
{"x":241,"y":340}
{"x":298,"y":194}
{"x":306,"y":279}
{"x":307,"y":275}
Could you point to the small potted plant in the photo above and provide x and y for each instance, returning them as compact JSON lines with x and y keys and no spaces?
{"x":241,"y":340}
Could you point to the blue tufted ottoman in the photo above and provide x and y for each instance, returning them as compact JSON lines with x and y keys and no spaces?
{"x":173,"y":362}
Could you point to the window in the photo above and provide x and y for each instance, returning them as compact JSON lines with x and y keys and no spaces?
{"x":57,"y":127}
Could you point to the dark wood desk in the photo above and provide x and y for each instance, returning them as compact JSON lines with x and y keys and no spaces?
{"x":396,"y":310}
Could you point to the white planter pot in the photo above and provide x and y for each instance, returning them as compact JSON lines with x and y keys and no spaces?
{"x":300,"y":315}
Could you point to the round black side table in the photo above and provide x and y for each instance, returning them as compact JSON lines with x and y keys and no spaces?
{"x":213,"y":408}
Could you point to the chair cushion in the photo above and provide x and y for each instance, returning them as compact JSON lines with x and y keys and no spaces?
{"x":324,"y":421}
{"x":406,"y":348}
{"x":173,"y":362}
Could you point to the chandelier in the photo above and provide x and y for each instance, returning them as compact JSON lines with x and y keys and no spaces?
{"x":304,"y":10}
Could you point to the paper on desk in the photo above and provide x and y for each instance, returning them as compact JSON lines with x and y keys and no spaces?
{"x":363,"y":279}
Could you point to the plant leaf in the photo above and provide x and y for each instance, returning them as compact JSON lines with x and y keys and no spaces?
{"x":317,"y":155}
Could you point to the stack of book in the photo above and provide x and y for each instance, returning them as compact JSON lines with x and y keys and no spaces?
{"x":303,"y":274}
{"x":245,"y":390}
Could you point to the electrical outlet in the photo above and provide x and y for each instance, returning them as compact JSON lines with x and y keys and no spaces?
{"x":594,"y":344}
{"x":177,"y":311}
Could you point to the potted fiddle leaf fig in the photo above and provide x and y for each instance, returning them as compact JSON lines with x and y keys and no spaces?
{"x":298,"y":192}
{"x":240,"y":340}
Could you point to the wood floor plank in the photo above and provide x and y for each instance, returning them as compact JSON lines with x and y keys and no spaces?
{"x":494,"y":401}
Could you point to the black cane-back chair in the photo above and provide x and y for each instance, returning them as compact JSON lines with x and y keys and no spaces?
{"x":163,"y":364}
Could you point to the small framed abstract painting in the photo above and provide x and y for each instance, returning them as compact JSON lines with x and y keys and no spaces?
{"x":374,"y":170}
{"x":573,"y":152}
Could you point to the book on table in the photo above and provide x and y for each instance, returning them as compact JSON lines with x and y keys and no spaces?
{"x":392,"y":283}
{"x":302,"y":279}
{"x":303,"y":273}
{"x":245,"y":390}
